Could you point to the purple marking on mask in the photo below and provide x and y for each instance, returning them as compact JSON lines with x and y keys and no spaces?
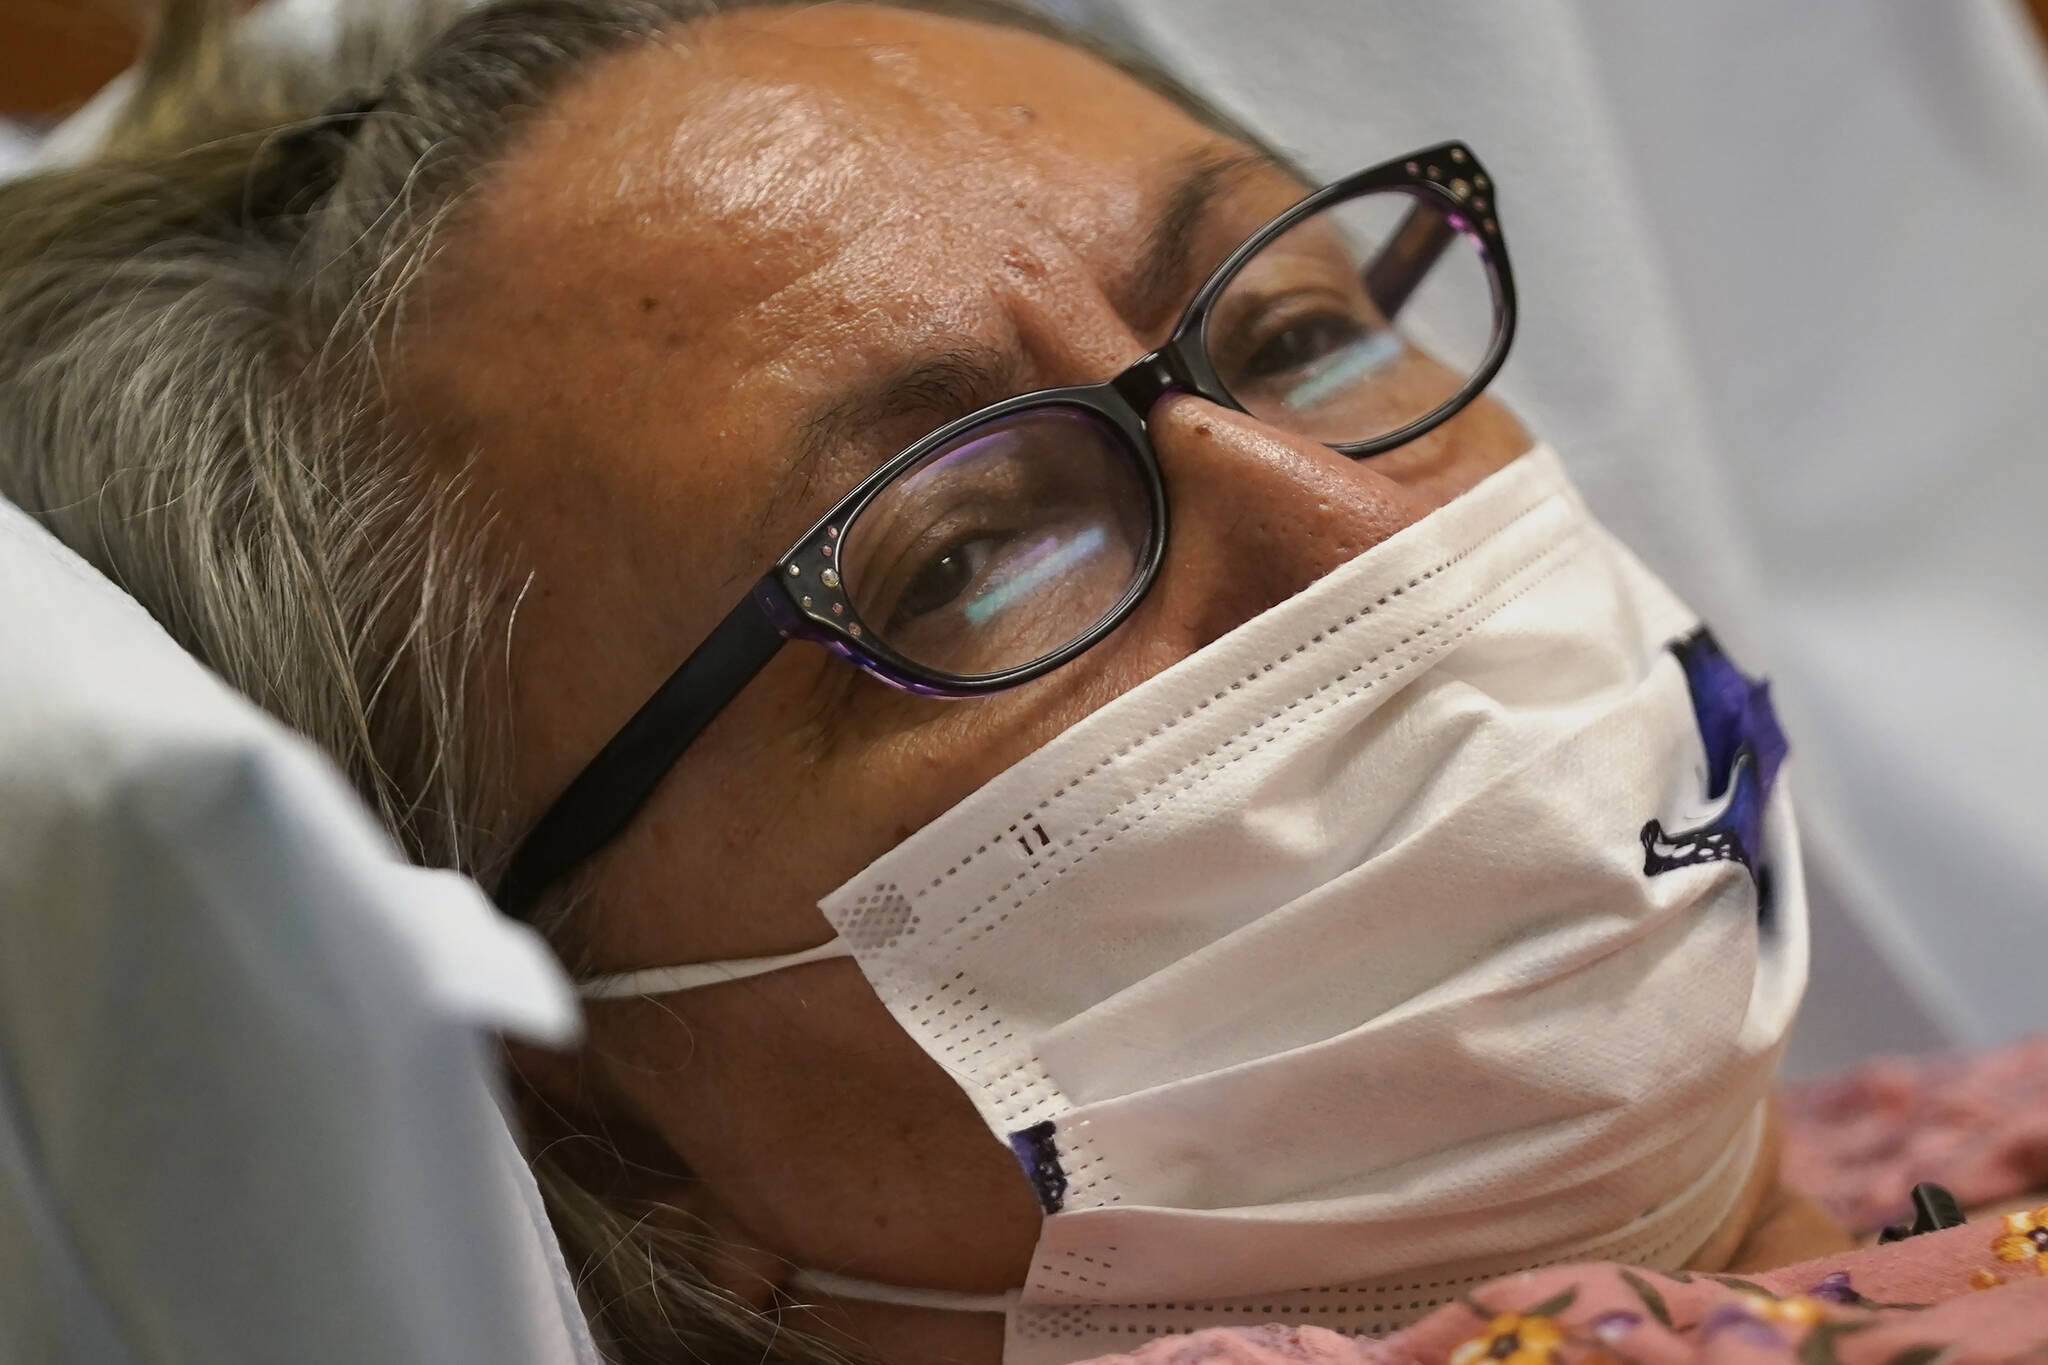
{"x":1745,"y":747}
{"x":1037,"y":1151}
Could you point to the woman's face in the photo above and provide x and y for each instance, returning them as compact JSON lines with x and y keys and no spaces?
{"x":716,"y":282}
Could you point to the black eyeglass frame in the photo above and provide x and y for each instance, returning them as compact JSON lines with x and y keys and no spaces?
{"x":802,"y":598}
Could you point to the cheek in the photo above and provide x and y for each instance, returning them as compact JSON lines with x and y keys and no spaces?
{"x":1458,"y":455}
{"x":813,"y":773}
{"x":896,"y":762}
{"x":805,"y":1071}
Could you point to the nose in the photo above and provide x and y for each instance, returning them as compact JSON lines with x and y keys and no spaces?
{"x":1256,"y":515}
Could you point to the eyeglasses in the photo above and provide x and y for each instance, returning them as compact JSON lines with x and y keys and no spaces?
{"x":1005,"y":544}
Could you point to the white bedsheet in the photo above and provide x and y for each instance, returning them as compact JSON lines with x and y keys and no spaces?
{"x":248,"y":1103}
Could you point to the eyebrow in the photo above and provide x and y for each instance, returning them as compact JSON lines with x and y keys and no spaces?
{"x":1155,"y":290}
{"x":938,"y":386}
{"x":951,"y":383}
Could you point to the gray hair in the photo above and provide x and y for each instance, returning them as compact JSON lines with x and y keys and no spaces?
{"x":191,"y":326}
{"x":191,"y":330}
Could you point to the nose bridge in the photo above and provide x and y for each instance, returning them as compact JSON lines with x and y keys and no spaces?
{"x":1258,"y":513}
{"x":1151,"y":378}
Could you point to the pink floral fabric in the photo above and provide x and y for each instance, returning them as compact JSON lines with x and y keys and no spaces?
{"x":1978,"y":1125}
{"x":1945,"y":1296}
{"x":1973,"y":1293}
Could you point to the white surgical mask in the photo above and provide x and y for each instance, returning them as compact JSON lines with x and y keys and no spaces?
{"x":1407,"y":936}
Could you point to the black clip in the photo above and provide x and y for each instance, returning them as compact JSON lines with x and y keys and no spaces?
{"x":1934,"y":1208}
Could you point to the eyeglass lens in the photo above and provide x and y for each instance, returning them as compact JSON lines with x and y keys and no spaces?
{"x":1003,"y":546}
{"x":1360,"y":320}
{"x":1018,"y":537}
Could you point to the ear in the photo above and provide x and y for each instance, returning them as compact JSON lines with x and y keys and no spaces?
{"x":617,"y":1159}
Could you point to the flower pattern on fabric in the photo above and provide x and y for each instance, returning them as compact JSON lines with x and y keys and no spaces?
{"x":1916,"y":1302}
{"x":2025,"y":1241}
{"x":1615,"y":1324}
{"x":1835,"y":1288}
{"x":1515,"y":1339}
{"x":1798,"y":1313}
{"x":1763,"y":1319}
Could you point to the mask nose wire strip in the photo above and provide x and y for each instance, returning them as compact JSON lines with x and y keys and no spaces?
{"x":868,"y":1291}
{"x":666,"y":980}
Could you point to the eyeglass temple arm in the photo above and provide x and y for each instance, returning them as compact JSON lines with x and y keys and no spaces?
{"x":1402,"y":264}
{"x":604,"y":797}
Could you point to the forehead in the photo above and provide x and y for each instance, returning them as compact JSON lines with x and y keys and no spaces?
{"x":705,"y":237}
{"x":739,"y":153}
{"x":710,"y":230}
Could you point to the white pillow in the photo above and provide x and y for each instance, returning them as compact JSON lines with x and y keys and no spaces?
{"x":247,"y":1084}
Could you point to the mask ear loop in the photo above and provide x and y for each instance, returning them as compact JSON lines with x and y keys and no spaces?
{"x":870,"y":1291}
{"x":693,"y":976}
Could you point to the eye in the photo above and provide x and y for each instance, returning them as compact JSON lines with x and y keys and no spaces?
{"x":1300,"y":343}
{"x":943,"y":578}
